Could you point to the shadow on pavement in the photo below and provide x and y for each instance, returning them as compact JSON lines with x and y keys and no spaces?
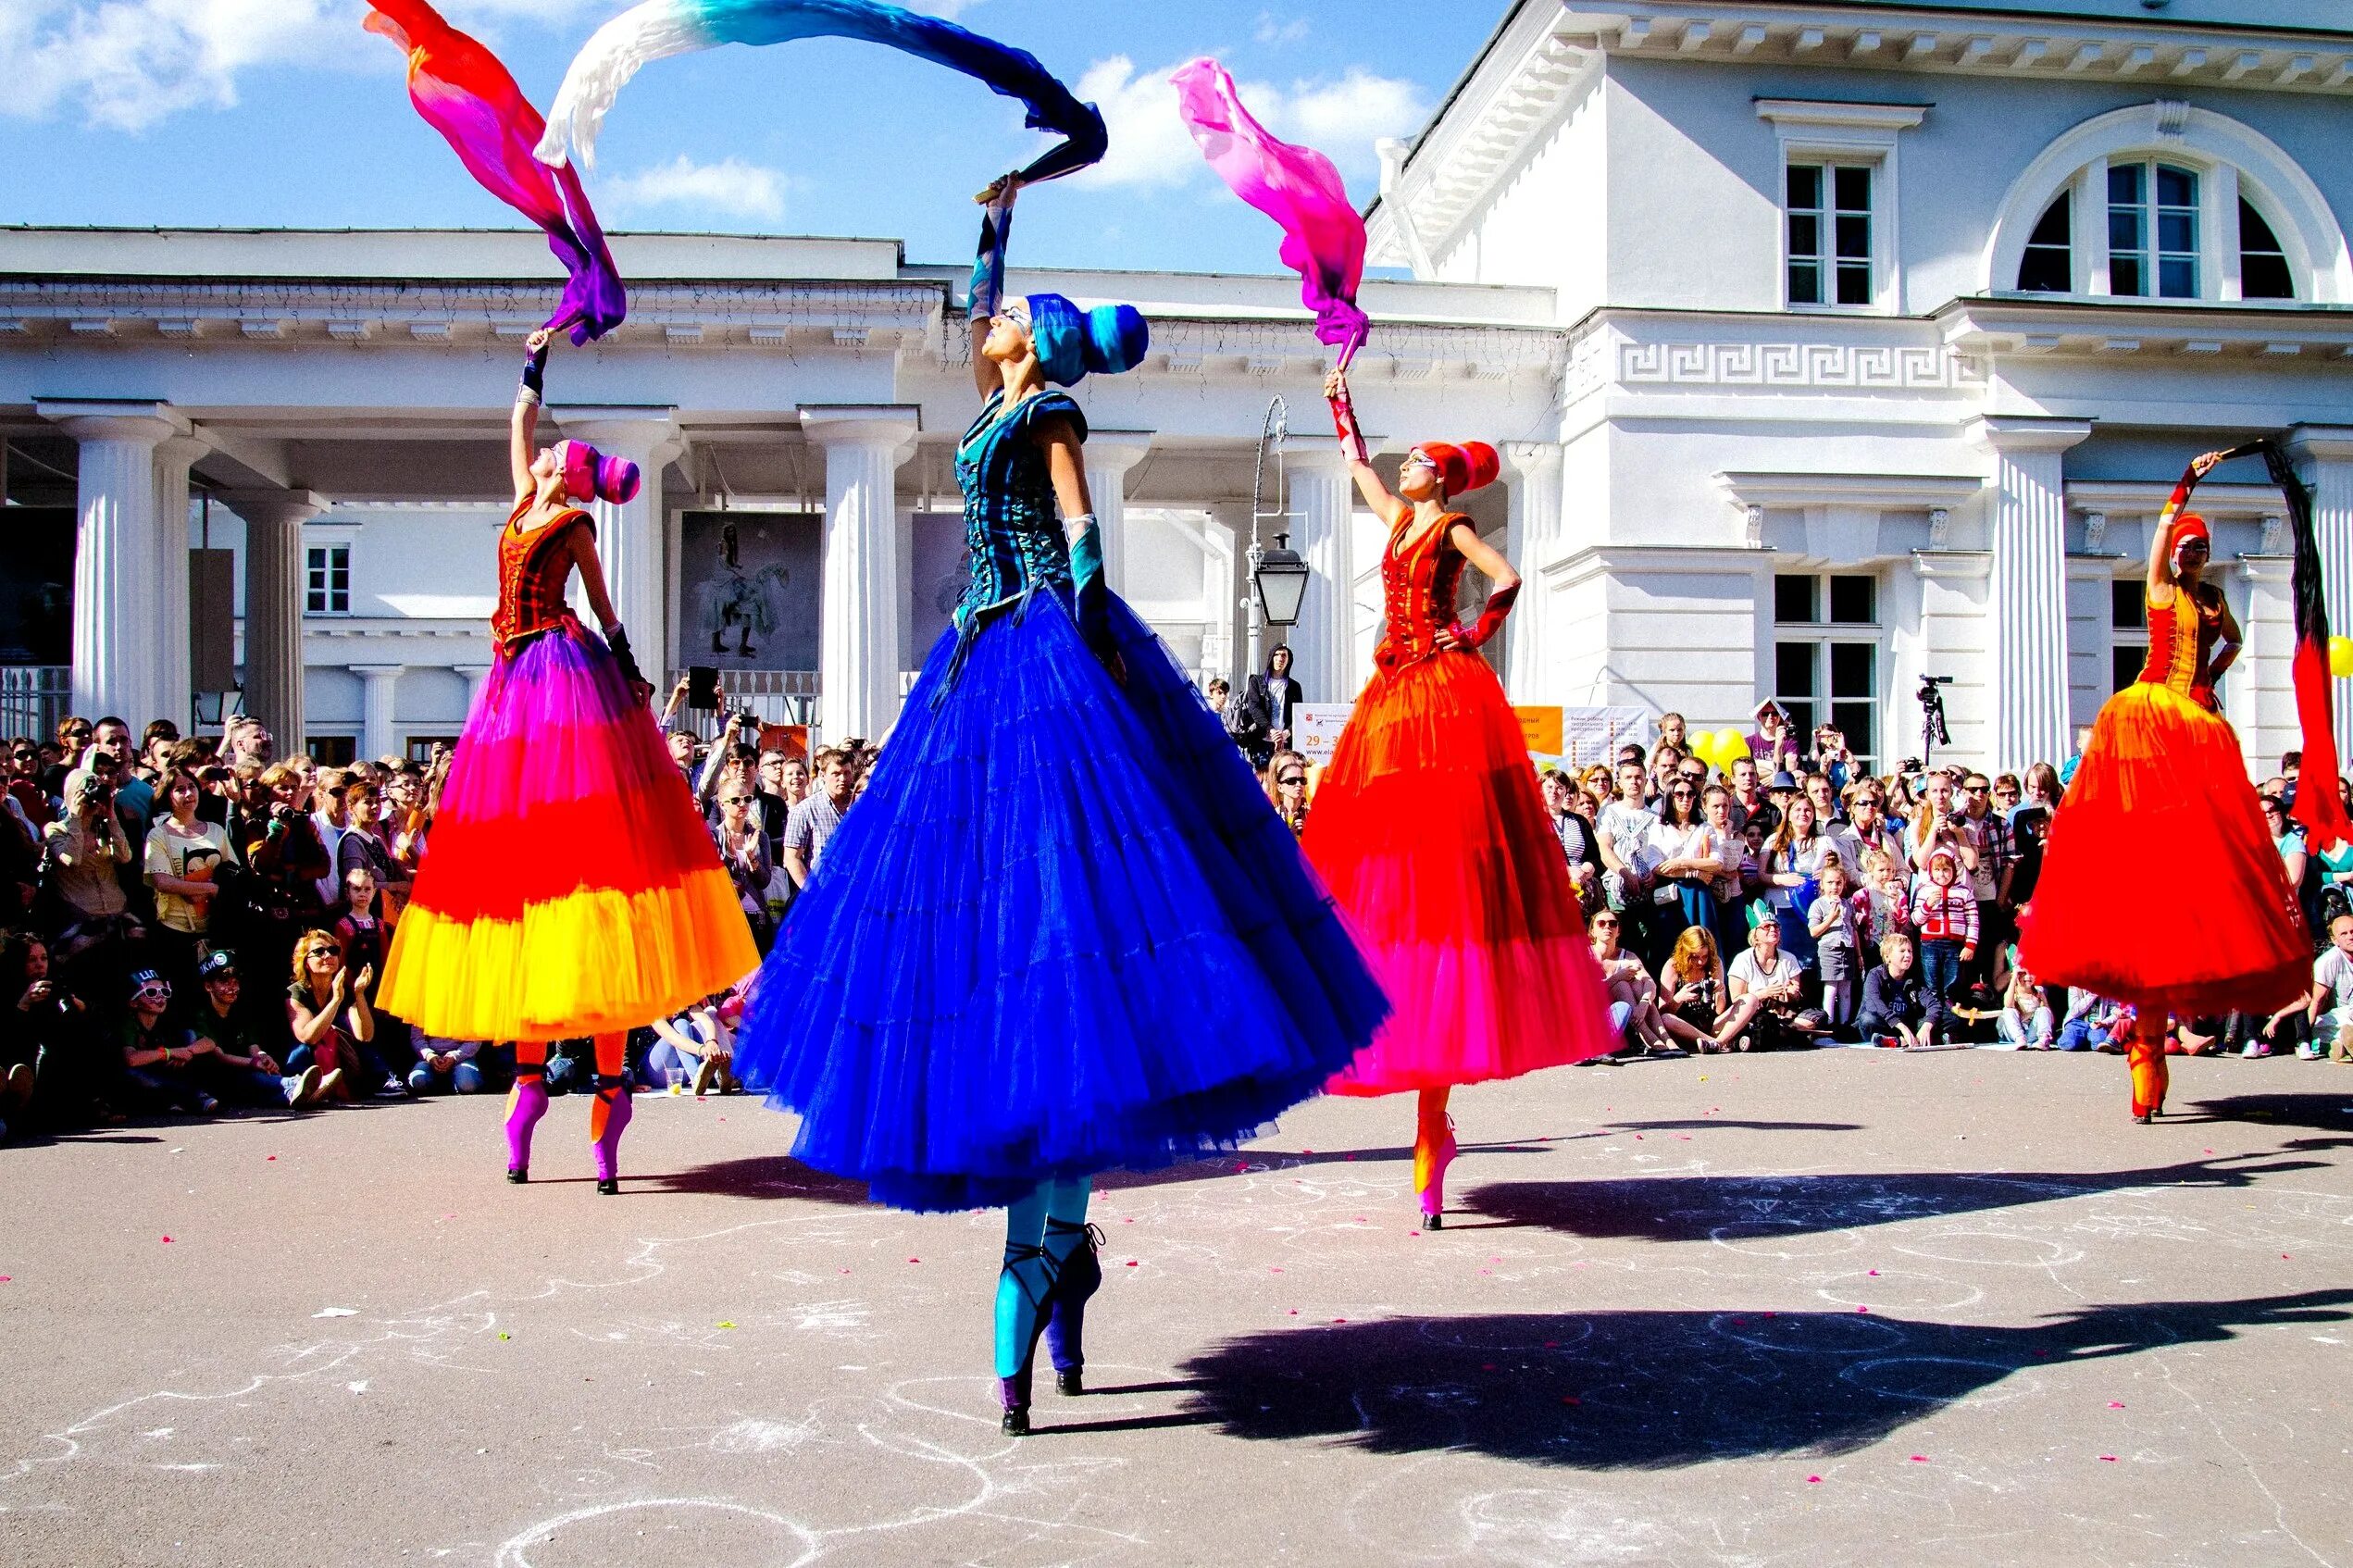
{"x":1736,"y":1208}
{"x":1636,"y":1390}
{"x":2329,"y":1112}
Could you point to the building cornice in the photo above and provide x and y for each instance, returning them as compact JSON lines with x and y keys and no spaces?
{"x":1996,"y":327}
{"x":1936,"y":41}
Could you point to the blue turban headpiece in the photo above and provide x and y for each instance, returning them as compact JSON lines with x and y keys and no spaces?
{"x":1071,"y":343}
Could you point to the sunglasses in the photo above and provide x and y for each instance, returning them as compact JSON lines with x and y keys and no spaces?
{"x":327,"y":952}
{"x":734,"y":800}
{"x":152,"y":993}
{"x":1292,"y":778}
{"x":1602,"y":920}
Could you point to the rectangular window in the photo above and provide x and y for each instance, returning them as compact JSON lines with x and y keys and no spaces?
{"x":2128,"y":625}
{"x":2152,"y":230}
{"x":1826,"y":670}
{"x":334,"y":751}
{"x":1829,"y":234}
{"x":419,"y":748}
{"x":329,"y":592}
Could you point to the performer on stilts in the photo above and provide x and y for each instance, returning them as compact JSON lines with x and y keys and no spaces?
{"x":1063,"y":931}
{"x":2163,"y":785}
{"x":1430,"y":831}
{"x":568,"y":886}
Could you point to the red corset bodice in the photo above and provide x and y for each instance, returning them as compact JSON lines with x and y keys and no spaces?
{"x":531,"y":576}
{"x":1421,"y":585}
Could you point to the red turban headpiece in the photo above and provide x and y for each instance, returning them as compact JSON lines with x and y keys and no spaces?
{"x":1463,"y":468}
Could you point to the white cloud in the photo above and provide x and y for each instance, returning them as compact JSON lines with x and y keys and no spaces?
{"x":128,"y":63}
{"x":1270,"y":30}
{"x":731,"y":187}
{"x":1150,"y":145}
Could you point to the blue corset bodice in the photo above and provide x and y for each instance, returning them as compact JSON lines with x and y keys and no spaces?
{"x":1011,"y":525}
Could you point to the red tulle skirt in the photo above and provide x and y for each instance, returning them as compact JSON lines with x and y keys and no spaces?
{"x":2160,"y":885}
{"x":1433,"y":838}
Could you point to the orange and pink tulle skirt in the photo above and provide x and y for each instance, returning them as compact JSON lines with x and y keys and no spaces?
{"x":1431,"y":834}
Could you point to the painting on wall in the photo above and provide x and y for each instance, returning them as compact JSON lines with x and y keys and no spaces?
{"x":748,"y":589}
{"x":939,"y":572}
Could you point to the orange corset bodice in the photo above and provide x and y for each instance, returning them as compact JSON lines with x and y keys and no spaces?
{"x":2181,"y":644}
{"x":532,"y":575}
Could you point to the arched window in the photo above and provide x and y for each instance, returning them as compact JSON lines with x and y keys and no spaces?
{"x":2166,"y":202}
{"x":2264,"y":273}
{"x":2049,"y":264}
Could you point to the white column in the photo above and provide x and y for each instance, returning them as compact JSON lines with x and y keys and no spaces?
{"x":861,"y":571}
{"x":2323,"y":454}
{"x":115,"y":598}
{"x":473,"y":674}
{"x":2028,"y":591}
{"x":629,"y":535}
{"x":173,"y":662}
{"x":274,"y":589}
{"x":1535,"y":496}
{"x":2259,"y":694}
{"x":378,"y":709}
{"x":1111,"y":455}
{"x":1234,"y":515}
{"x":1322,"y":501}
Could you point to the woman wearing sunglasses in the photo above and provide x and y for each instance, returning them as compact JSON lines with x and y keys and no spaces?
{"x":634,"y":918}
{"x":1287,"y":790}
{"x":1431,"y":833}
{"x":333,"y":1026}
{"x":743,"y":850}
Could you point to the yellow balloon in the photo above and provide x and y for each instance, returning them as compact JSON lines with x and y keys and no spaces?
{"x":2341,"y":656}
{"x":1732,"y":745}
{"x":1703,"y":746}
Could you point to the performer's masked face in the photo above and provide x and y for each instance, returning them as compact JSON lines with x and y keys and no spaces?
{"x":1009,"y":335}
{"x":1419,"y":478}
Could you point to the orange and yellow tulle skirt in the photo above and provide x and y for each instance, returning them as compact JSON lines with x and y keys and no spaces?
{"x":1431,"y":834}
{"x":2160,"y":885}
{"x":569,"y":887}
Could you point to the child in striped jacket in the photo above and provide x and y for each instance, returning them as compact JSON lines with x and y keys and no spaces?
{"x":1944,"y":914}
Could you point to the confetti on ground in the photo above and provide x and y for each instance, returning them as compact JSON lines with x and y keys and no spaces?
{"x":2108,"y":1459}
{"x":1920,"y":1459}
{"x":2116,"y":1404}
{"x":727,"y":1322}
{"x":504,"y":1334}
{"x":336,"y":1311}
{"x":1813,"y":1480}
{"x":167,"y":1240}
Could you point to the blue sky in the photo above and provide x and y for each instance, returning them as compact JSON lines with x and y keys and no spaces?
{"x":283,"y":112}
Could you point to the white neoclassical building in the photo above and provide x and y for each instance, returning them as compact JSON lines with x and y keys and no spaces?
{"x":1829,"y":346}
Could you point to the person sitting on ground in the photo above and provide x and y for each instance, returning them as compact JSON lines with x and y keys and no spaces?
{"x":238,"y":1036}
{"x":2328,"y":1010}
{"x":1891,"y":1013}
{"x":169,"y":1067}
{"x":1765,"y":986}
{"x":2093,"y":1022}
{"x":331,"y":1022}
{"x":46,"y":1030}
{"x":1630,"y":984}
{"x":443,"y":1066}
{"x":700,"y":1044}
{"x":2024,"y":1021}
{"x":1691,"y":993}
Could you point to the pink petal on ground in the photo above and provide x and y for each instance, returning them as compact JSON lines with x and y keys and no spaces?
{"x":1131,"y":1263}
{"x":4,"y":1279}
{"x":1875,"y":1274}
{"x":1862,"y":1309}
{"x":167,"y":1240}
{"x":2108,"y":1459}
{"x":915,"y":1260}
{"x":1294,"y":1312}
{"x":267,"y":1157}
{"x":2116,"y":1404}
{"x":1813,"y":1480}
{"x":1920,"y":1459}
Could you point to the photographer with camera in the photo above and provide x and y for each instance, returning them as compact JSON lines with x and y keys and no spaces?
{"x":87,"y":851}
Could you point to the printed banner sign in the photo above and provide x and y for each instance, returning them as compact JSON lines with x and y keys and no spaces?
{"x":1315,"y":728}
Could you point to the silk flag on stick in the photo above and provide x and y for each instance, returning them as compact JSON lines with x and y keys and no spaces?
{"x":467,"y":94}
{"x":2320,"y":810}
{"x":661,"y":27}
{"x":1298,"y":187}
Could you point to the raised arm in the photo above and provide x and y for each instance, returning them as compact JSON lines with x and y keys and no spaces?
{"x":2160,"y":537}
{"x":523,"y":430}
{"x":989,"y":274}
{"x":1368,"y":481}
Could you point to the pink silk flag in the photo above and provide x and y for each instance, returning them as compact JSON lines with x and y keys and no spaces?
{"x":467,"y":94}
{"x":1298,"y":187}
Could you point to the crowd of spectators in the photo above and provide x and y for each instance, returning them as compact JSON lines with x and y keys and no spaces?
{"x":1784,"y":895}
{"x":193,"y":923}
{"x":190,"y":924}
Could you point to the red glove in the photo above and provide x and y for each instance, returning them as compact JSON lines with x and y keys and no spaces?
{"x":1480,"y":632}
{"x":1344,"y":425}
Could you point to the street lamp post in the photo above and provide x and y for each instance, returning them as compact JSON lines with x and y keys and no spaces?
{"x":1278,"y":576}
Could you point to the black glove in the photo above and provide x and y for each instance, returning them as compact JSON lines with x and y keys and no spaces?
{"x":617,"y":639}
{"x":535,"y":372}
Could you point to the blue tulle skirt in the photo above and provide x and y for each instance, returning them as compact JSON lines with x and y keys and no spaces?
{"x":1062,"y":932}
